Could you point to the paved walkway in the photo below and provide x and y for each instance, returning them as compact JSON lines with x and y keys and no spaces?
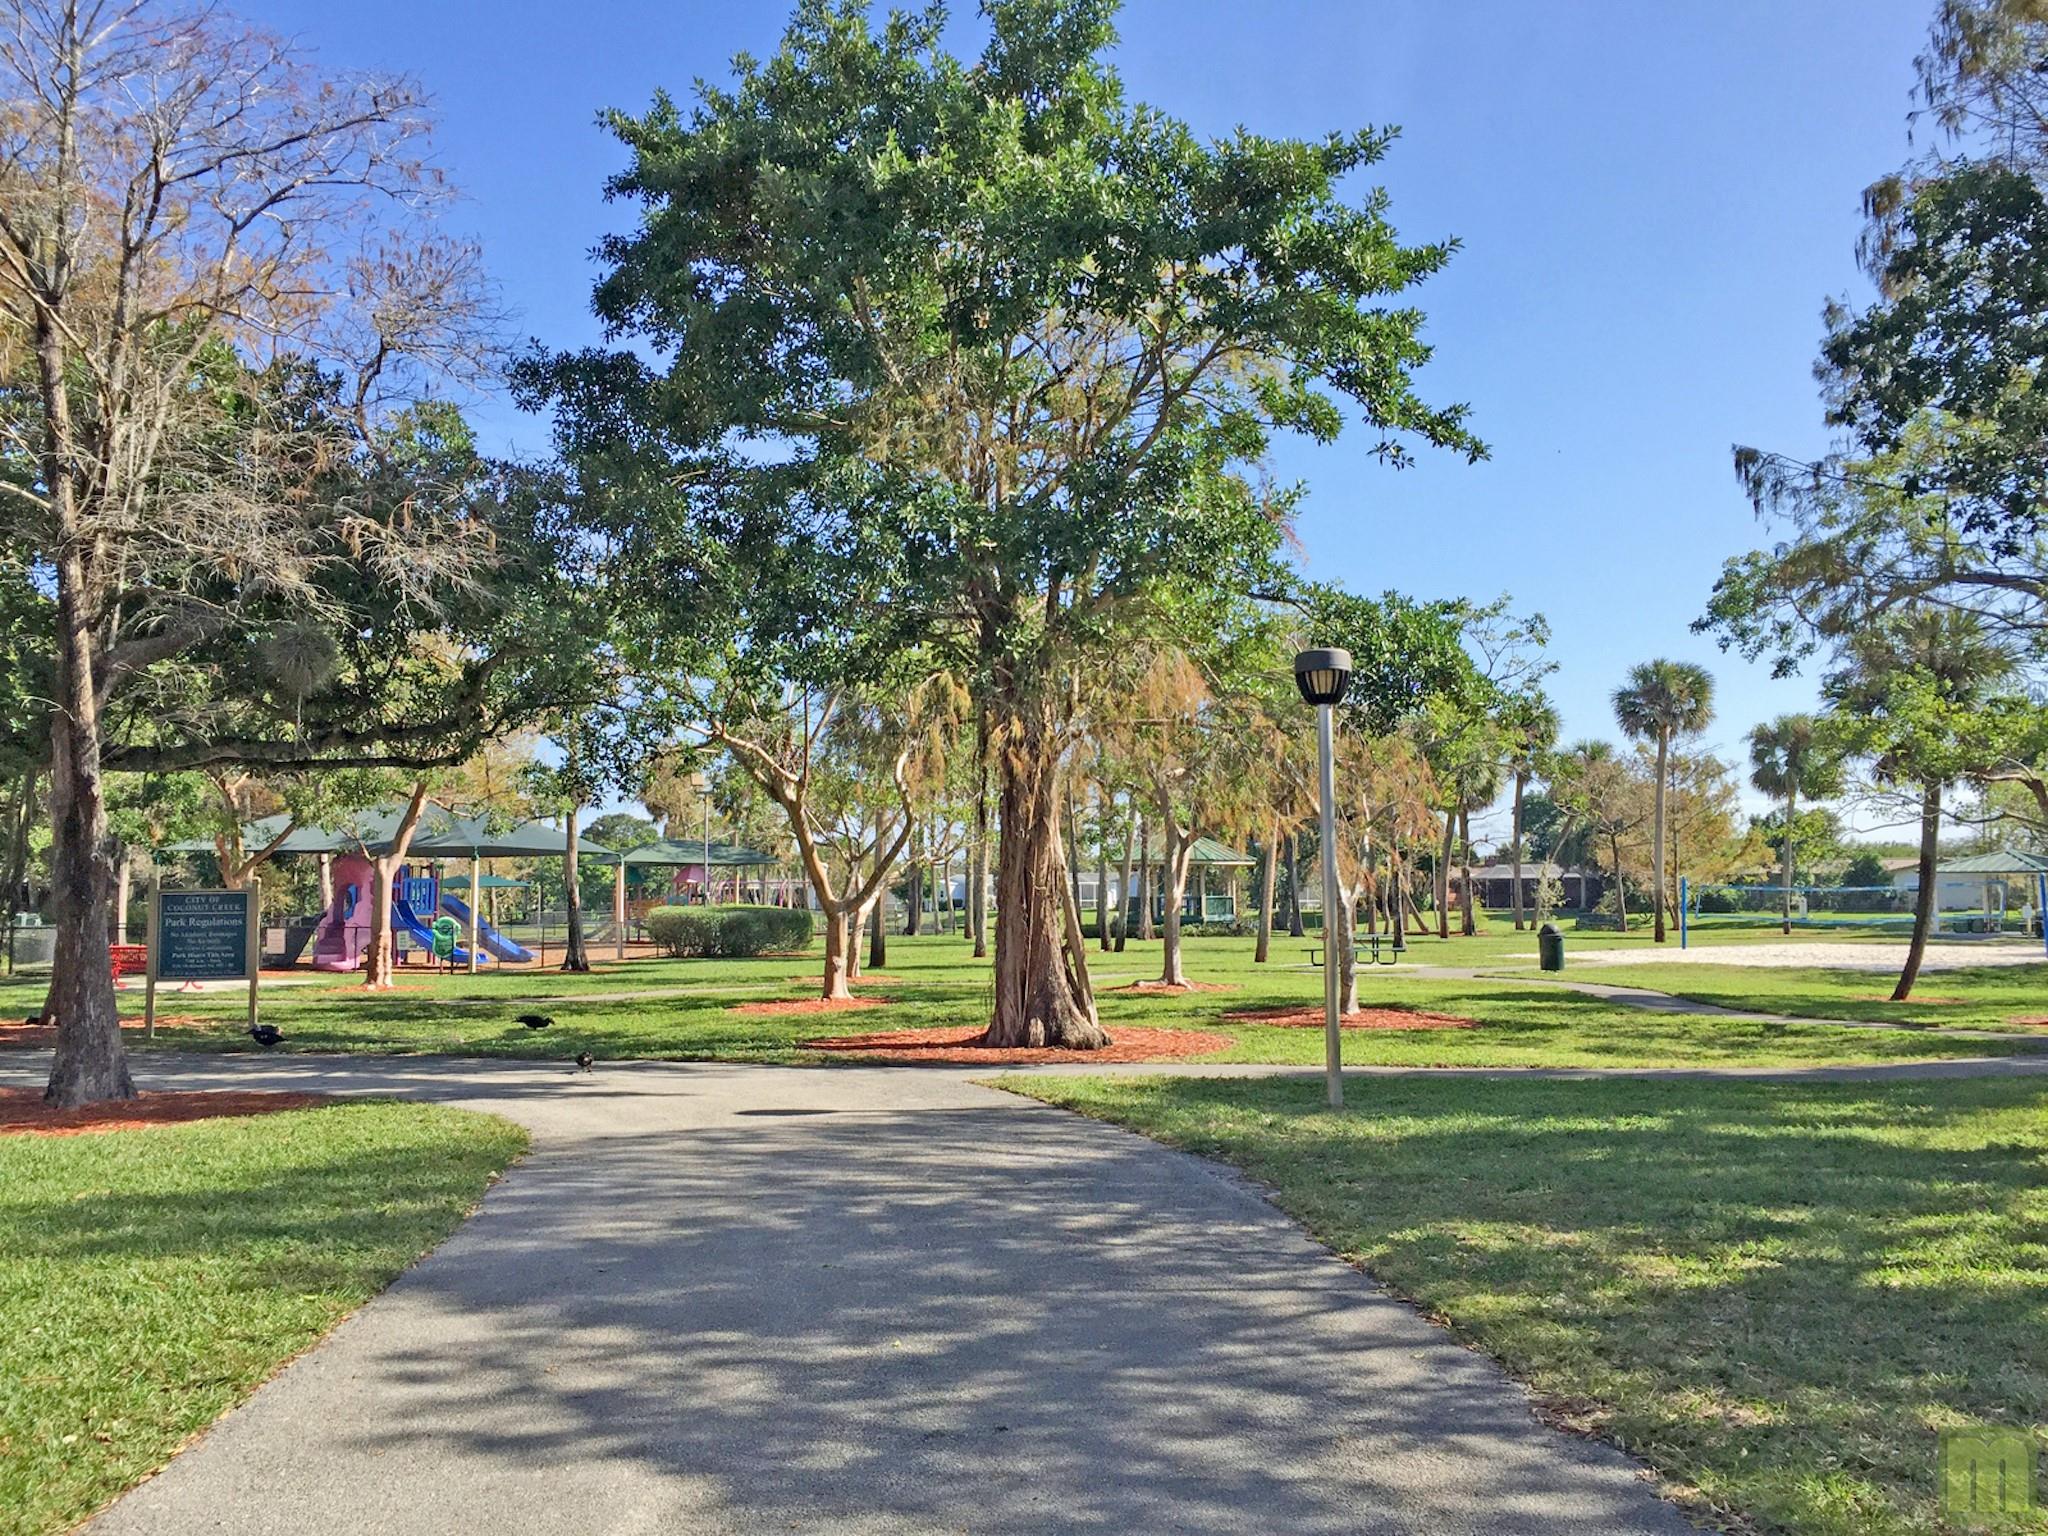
{"x":855,"y":1300}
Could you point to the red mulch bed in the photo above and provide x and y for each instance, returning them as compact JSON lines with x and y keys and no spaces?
{"x":1364,"y":1018}
{"x":961,"y":1046}
{"x":802,"y":1005}
{"x":1885,"y":997}
{"x":810,"y":978}
{"x":1176,"y":989}
{"x":23,"y":1112}
{"x":2032,"y":1020}
{"x":46,"y":1034}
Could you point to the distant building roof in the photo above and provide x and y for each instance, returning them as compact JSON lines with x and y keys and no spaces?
{"x":1531,"y":870}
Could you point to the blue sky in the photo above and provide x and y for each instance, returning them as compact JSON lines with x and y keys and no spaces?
{"x":1654,"y":202}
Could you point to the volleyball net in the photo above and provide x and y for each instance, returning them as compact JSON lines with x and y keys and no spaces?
{"x":1850,"y":910}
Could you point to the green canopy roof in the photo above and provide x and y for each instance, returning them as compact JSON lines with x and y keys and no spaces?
{"x":2006,"y":861}
{"x":674,"y":852}
{"x":441,"y":834}
{"x":1206,"y":851}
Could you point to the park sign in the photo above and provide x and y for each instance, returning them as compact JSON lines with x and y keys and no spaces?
{"x":197,"y":936}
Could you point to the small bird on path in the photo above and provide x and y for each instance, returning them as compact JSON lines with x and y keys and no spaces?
{"x":585,"y":1060}
{"x":265,"y":1035}
{"x":536,"y":1020}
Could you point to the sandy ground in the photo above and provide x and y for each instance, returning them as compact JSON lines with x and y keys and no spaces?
{"x":1835,"y":957}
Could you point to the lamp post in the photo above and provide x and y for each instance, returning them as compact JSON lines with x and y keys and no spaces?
{"x":1322,"y":676}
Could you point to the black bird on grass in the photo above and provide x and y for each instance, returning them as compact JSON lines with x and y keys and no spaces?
{"x":265,"y":1035}
{"x":585,"y":1060}
{"x":536,"y":1020}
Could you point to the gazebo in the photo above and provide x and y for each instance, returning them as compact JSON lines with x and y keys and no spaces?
{"x":1199,"y":905}
{"x":689,"y":854}
{"x":1995,"y":872}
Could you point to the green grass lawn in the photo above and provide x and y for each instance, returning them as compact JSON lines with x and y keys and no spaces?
{"x":1983,"y":997}
{"x":151,"y":1279}
{"x":681,"y":1009}
{"x":1775,"y":1293}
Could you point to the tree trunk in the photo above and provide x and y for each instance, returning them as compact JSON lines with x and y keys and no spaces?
{"x":913,"y":899}
{"x":1296,"y":928}
{"x":1657,"y":838}
{"x":17,"y":861}
{"x":878,"y":929}
{"x":575,"y":955}
{"x":1923,"y":900}
{"x":1179,"y":851}
{"x":1144,"y":877}
{"x":977,"y":895}
{"x":326,"y":881}
{"x":380,"y":959}
{"x":1521,"y":782}
{"x":1102,"y":907}
{"x":1791,"y":809}
{"x":1443,"y":876}
{"x":1620,"y":885}
{"x":124,"y":877}
{"x":91,"y":1063}
{"x":837,"y":946}
{"x":1123,"y":881}
{"x":1268,"y":868}
{"x":1341,"y":950}
{"x":1041,"y":994}
{"x":1469,"y":926}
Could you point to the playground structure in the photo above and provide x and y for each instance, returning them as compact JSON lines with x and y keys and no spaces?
{"x":339,"y":935}
{"x":344,"y":930}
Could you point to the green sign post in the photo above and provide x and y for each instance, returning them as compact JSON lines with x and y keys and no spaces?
{"x":199,"y":936}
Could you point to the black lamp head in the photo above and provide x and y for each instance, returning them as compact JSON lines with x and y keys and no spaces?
{"x":1322,"y":676}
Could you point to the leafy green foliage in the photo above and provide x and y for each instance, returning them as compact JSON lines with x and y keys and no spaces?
{"x":728,"y":932}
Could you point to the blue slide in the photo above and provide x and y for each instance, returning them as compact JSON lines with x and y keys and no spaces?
{"x":409,"y":920}
{"x":488,"y":939}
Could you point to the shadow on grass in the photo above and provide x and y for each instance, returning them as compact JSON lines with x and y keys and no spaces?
{"x":1776,"y":1291}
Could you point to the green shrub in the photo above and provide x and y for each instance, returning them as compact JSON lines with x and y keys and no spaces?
{"x":728,"y":932}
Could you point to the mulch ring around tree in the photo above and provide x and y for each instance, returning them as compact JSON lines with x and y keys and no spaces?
{"x":1365,"y":1018}
{"x":23,"y":1112}
{"x":45,"y":1035}
{"x":795,"y":1007}
{"x":955,"y":1046}
{"x":1172,"y":988}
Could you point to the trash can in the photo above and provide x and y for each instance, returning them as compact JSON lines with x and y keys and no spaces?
{"x":1550,"y":947}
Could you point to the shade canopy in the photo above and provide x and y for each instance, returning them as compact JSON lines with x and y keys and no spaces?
{"x":441,"y":834}
{"x":682,"y":852}
{"x":2005,"y":861}
{"x":490,"y":883}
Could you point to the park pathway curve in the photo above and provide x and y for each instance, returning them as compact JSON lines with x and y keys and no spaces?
{"x":748,"y":1299}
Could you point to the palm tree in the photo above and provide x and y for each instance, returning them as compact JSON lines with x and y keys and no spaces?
{"x":1662,"y":701}
{"x":1532,"y":736}
{"x":1787,"y":760}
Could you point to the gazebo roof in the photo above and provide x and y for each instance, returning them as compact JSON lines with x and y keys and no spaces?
{"x":1206,"y":851}
{"x":2004,"y":861}
{"x":674,"y":852}
{"x":441,"y":834}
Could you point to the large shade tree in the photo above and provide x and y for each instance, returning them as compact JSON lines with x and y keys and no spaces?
{"x":220,"y":326}
{"x":1009,"y":338}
